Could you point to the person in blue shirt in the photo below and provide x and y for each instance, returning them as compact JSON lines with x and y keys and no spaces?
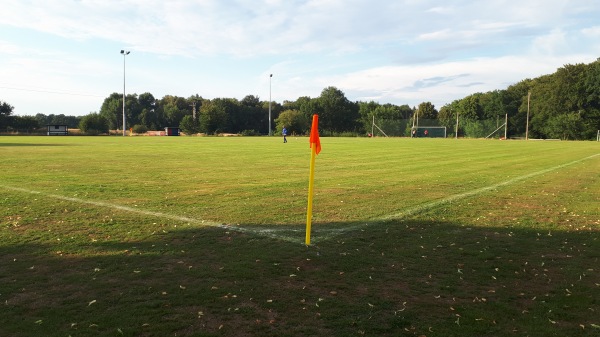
{"x":284,"y":133}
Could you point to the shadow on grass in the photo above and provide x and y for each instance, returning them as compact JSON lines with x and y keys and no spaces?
{"x":400,"y":278}
{"x":29,"y":144}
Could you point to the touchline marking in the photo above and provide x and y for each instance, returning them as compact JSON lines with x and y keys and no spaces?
{"x":429,"y":205}
{"x":432,"y":204}
{"x":332,"y":232}
{"x":269,"y":233}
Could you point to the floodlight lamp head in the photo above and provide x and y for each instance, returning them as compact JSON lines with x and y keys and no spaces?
{"x":271,"y":75}
{"x":125,"y":52}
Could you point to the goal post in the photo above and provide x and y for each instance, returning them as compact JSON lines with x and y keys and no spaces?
{"x":429,"y":132}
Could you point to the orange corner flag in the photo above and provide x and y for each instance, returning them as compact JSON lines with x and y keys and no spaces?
{"x":314,"y":139}
{"x":314,"y":134}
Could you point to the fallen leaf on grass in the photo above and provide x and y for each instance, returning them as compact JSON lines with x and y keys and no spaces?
{"x":92,"y":302}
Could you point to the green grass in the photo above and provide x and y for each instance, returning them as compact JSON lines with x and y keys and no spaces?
{"x":411,"y":237}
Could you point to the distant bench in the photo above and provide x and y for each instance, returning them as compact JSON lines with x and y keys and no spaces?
{"x":58,"y":130}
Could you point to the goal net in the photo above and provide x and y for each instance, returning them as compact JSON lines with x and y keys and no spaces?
{"x":429,"y":132}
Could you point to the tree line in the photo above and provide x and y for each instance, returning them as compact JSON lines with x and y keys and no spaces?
{"x":565,"y":105}
{"x":562,"y":105}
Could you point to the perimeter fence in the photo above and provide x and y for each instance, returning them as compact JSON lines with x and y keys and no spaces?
{"x":489,"y":128}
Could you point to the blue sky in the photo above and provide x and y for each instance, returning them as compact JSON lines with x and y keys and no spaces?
{"x":63,"y":56}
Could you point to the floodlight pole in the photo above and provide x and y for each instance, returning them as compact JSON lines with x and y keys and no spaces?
{"x":270,"y":77}
{"x":124,"y":52}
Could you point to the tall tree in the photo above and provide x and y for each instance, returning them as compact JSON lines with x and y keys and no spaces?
{"x":94,"y":124}
{"x":253,"y":117}
{"x":213,"y":116}
{"x":426,"y":110}
{"x":112,"y":110}
{"x":294,"y":121}
{"x":150,"y":115}
{"x":189,"y":125}
{"x":5,"y":112}
{"x":174,"y":108}
{"x":447,"y":116}
{"x":336,"y":112}
{"x":25,"y":123}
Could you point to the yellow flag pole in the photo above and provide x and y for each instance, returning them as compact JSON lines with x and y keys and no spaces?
{"x":313,"y":153}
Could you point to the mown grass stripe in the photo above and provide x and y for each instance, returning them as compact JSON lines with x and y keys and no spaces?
{"x":321,"y":233}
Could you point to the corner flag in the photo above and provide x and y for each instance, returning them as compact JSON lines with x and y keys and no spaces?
{"x":314,"y":134}
{"x":315,"y":145}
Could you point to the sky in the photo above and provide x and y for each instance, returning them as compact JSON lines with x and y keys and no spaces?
{"x":64,"y":56}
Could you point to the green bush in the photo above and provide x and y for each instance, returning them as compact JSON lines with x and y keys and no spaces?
{"x":250,"y":133}
{"x":93,"y":124}
{"x":140,"y":128}
{"x":189,"y":125}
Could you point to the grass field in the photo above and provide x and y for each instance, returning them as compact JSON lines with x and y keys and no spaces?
{"x":177,"y":236}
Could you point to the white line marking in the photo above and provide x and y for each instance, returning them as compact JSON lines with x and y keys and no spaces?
{"x":432,"y":204}
{"x":327,"y":233}
{"x":267,"y":232}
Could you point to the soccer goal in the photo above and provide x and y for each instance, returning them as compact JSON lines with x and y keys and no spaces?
{"x":428,"y":132}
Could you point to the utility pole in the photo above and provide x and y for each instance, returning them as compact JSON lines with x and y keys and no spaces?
{"x":505,"y":126}
{"x":193,"y":105}
{"x":456,"y":134}
{"x":527,"y":123}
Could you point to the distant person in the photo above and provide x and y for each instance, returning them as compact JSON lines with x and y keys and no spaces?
{"x":284,"y":133}
{"x":426,"y":133}
{"x":414,"y":133}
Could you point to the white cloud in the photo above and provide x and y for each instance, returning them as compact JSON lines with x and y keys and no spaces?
{"x":443,"y":82}
{"x":592,"y":32}
{"x":404,"y":51}
{"x":551,"y":44}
